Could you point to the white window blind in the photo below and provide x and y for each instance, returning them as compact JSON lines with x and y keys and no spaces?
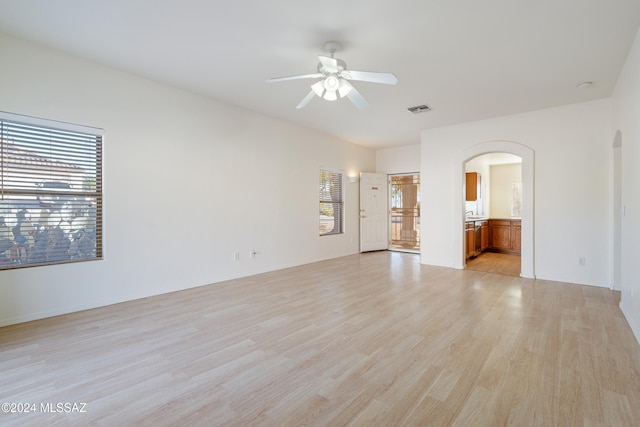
{"x":50,"y":192}
{"x":331,"y":202}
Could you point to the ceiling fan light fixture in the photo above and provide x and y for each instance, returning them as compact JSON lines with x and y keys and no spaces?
{"x":335,"y":79}
{"x":344,"y":88}
{"x":330,"y":96}
{"x":318,"y":88}
{"x":331,"y":83}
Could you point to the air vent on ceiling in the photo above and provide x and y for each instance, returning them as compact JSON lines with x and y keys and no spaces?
{"x":419,"y":109}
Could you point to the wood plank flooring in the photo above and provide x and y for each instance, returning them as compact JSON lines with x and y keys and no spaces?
{"x":372,"y":339}
{"x":492,"y":262}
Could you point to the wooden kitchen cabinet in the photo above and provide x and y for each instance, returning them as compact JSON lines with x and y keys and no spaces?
{"x":473,"y":186}
{"x":500,"y":232}
{"x":484,"y":235}
{"x":516,"y":231}
{"x":470,"y":239}
{"x":504,"y":236}
{"x":476,"y":237}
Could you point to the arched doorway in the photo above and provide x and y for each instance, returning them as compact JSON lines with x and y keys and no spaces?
{"x":493,"y":213}
{"x":527,"y":155}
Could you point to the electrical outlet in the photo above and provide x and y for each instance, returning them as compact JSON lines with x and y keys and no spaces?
{"x":236,"y":256}
{"x":582,"y":261}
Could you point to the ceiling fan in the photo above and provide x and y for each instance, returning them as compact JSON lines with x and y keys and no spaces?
{"x":335,"y":79}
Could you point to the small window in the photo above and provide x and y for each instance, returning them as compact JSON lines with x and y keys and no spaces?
{"x":331,"y":202}
{"x":516,"y":199}
{"x":50,"y":192}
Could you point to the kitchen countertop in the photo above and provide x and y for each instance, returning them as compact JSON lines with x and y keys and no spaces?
{"x":476,"y":218}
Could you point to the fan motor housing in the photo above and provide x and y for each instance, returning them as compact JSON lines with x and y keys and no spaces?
{"x":341,"y":66}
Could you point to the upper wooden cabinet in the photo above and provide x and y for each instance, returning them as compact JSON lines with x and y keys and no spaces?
{"x":473,"y":186}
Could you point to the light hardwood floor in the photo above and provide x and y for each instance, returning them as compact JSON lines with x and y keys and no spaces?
{"x":492,"y":262}
{"x":366,"y":340}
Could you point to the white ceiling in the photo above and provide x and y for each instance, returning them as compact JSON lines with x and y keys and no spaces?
{"x":467,"y":59}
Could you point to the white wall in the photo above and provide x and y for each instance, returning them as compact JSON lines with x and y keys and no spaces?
{"x":187,"y":182}
{"x":502,"y":179}
{"x":405,"y":159}
{"x":572,"y":179}
{"x":626,"y":120}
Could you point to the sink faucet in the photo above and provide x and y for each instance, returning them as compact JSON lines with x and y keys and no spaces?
{"x":468,"y":213}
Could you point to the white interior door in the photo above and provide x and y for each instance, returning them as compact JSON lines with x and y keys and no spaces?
{"x":374,"y":211}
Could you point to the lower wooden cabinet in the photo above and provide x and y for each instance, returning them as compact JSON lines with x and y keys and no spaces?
{"x":470,"y":239}
{"x":516,"y":232}
{"x":504,"y":235}
{"x":496,"y":235}
{"x":484,"y":235}
{"x":500,"y":232}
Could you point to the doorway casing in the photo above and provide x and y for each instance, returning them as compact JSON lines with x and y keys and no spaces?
{"x":527,"y":253}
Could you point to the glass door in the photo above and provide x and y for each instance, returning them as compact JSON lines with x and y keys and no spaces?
{"x":404,"y":195}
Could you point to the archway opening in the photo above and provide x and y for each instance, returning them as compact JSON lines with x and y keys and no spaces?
{"x":527,"y":218}
{"x":493,"y":213}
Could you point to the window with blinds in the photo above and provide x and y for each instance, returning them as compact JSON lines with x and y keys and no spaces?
{"x":50,"y":192}
{"x":331,"y":202}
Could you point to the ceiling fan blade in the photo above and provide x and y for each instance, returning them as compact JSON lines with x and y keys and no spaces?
{"x":358,"y":100}
{"x":306,"y":100}
{"x":301,"y":76}
{"x":370,"y":76}
{"x":330,"y":64}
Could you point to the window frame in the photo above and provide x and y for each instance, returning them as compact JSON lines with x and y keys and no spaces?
{"x":328,"y":202}
{"x":66,"y":180}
